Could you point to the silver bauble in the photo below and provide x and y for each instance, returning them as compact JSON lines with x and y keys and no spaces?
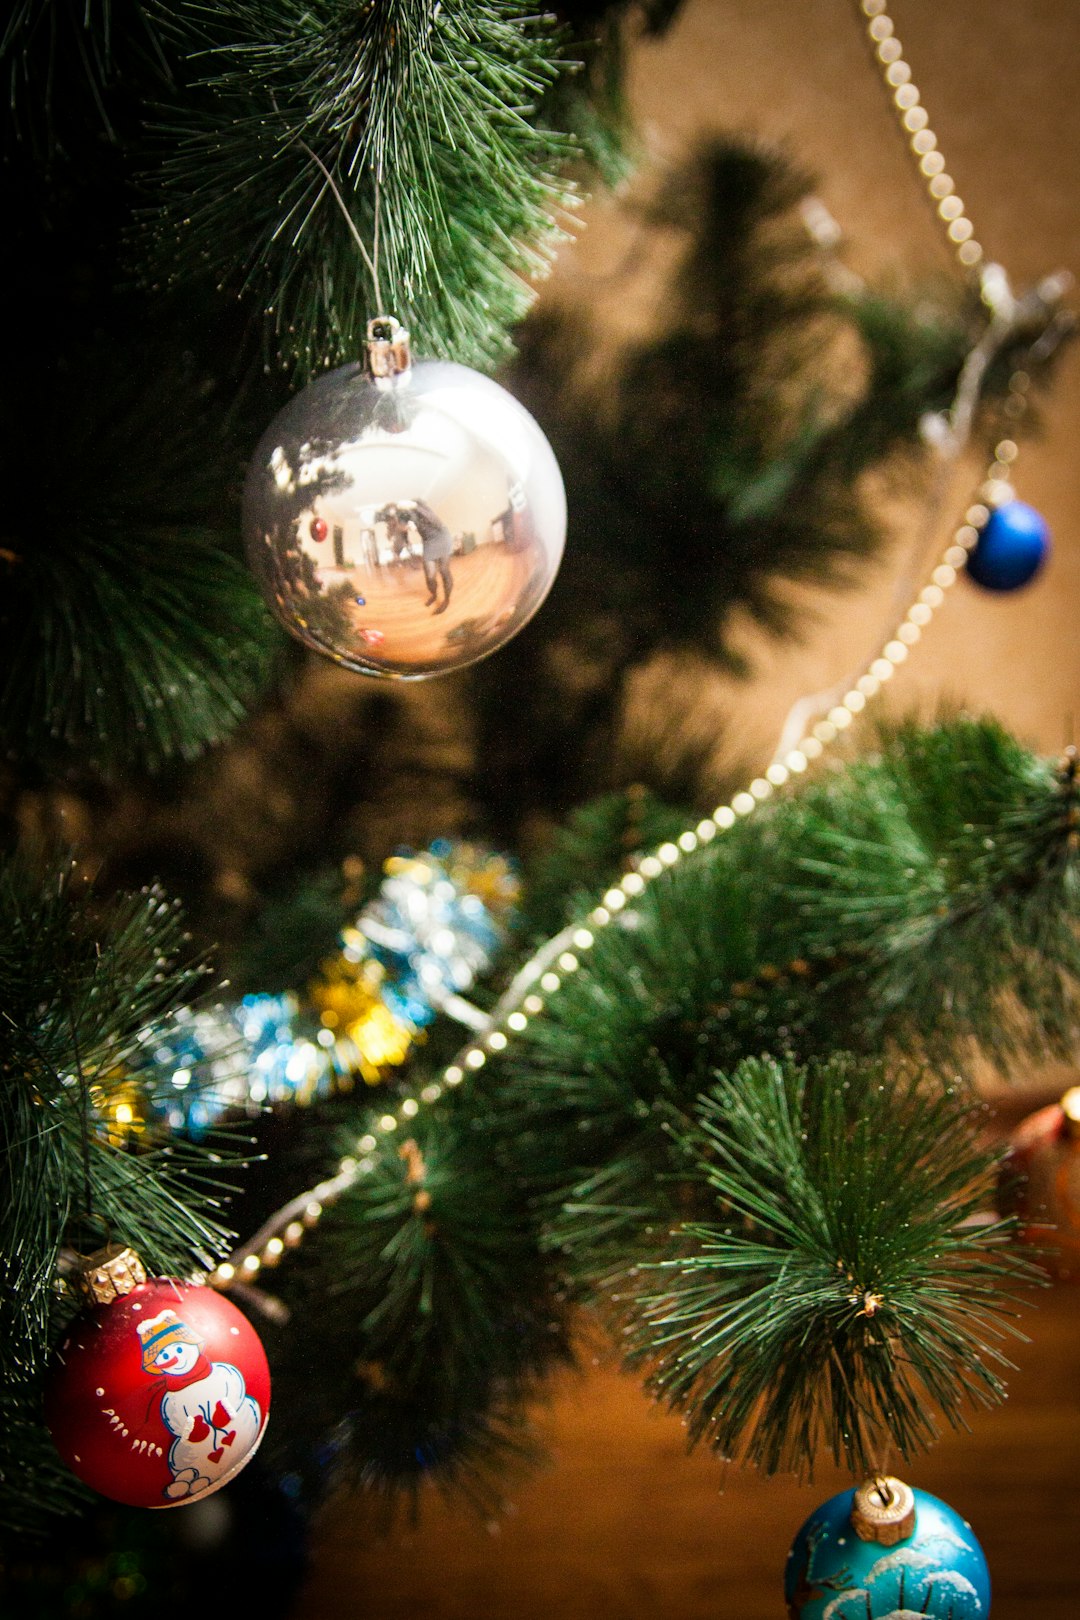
{"x":404,"y":519}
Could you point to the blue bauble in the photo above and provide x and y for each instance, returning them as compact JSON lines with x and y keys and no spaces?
{"x":1012,"y":546}
{"x":938,"y":1571}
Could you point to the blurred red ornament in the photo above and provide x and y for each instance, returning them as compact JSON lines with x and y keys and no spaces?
{"x":159,"y":1396}
{"x":319,"y":528}
{"x":1041,"y":1184}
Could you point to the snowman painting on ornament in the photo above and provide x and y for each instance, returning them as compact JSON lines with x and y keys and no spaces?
{"x":204,"y":1405}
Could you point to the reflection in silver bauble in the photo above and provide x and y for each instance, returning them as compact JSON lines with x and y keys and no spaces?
{"x":408,"y":525}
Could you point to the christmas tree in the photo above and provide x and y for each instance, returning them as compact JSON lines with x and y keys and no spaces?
{"x":701,"y":1080}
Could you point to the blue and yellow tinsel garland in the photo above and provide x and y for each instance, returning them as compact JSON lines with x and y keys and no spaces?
{"x":434,"y":929}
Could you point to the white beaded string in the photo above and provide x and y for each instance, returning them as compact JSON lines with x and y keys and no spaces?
{"x":562,"y":956}
{"x":915,"y":125}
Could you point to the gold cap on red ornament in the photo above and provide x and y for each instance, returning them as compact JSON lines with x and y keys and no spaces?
{"x":109,"y":1273}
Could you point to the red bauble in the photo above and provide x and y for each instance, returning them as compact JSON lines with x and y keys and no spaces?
{"x":160,"y":1397}
{"x":1041,"y":1184}
{"x":319,"y":528}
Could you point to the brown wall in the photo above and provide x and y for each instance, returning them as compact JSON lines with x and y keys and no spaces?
{"x":999,"y":79}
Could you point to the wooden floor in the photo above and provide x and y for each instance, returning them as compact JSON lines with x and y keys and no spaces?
{"x":494,"y":590}
{"x":625,"y":1526}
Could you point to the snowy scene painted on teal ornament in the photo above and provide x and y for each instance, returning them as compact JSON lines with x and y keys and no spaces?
{"x":938,"y":1571}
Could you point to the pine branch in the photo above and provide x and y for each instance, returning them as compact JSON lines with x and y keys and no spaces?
{"x":443,"y":1319}
{"x":130,"y":634}
{"x":845,"y":1291}
{"x":295,"y":928}
{"x":829,"y":912}
{"x":80,"y":978}
{"x":901,"y":901}
{"x":37,"y":1489}
{"x":430,"y":108}
{"x":63,"y":62}
{"x":425,"y":1245}
{"x":595,"y":846}
{"x":591,"y":105}
{"x":948,"y":877}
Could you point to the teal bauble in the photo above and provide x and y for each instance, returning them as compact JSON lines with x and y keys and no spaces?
{"x":886,"y":1552}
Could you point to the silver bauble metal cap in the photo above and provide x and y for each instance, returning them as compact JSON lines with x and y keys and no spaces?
{"x":387,"y":352}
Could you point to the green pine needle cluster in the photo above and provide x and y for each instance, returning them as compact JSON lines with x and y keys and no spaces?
{"x":425,"y":115}
{"x":437,"y":1320}
{"x":846,"y":1286}
{"x":966,"y":850}
{"x":131,"y":634}
{"x":62,"y":64}
{"x":80,"y":978}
